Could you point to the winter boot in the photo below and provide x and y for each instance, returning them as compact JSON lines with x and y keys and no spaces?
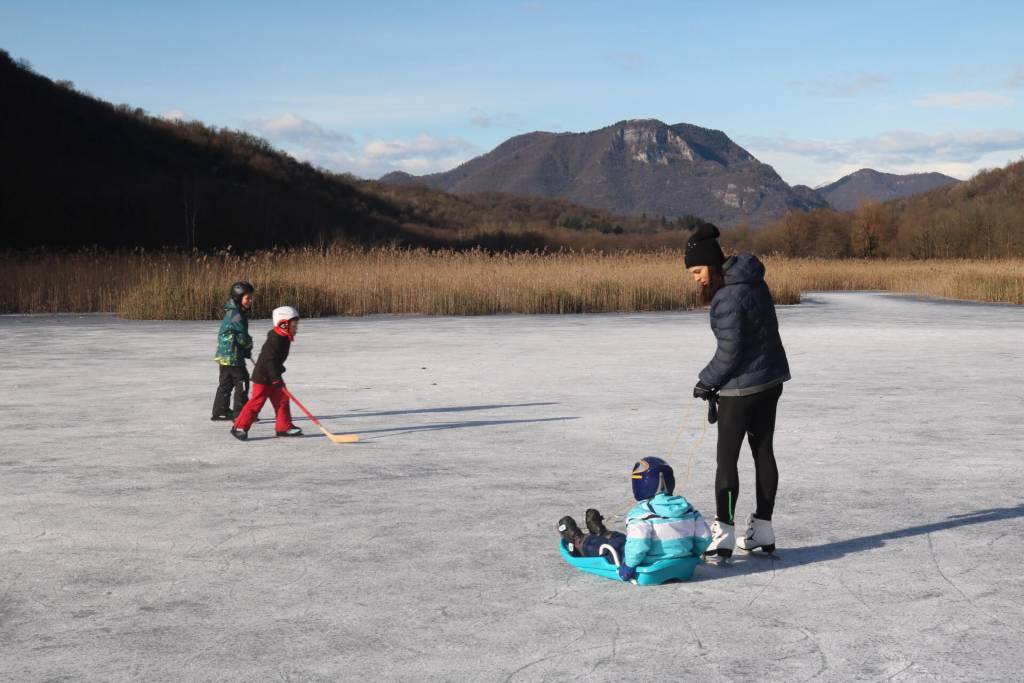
{"x":723,"y":540}
{"x":595,"y":523}
{"x":291,"y":431}
{"x":571,"y":534}
{"x":759,"y":535}
{"x":240,"y":434}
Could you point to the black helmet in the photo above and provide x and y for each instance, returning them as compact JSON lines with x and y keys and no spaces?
{"x":240,"y":289}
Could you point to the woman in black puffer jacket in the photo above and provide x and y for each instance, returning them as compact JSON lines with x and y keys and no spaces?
{"x":746,"y":376}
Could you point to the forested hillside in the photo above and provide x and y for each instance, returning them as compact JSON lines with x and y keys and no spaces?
{"x":79,"y":171}
{"x":980,"y":218}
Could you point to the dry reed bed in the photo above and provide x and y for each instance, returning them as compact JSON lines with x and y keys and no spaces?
{"x":995,"y":280}
{"x":354,"y":282}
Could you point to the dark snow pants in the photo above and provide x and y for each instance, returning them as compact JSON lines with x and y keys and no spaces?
{"x":592,"y":543}
{"x":231,"y":377}
{"x":754,"y":417}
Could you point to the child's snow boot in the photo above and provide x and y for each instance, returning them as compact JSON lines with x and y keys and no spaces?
{"x":759,"y":535}
{"x":291,"y":431}
{"x":240,"y":434}
{"x":723,"y":540}
{"x":595,"y":523}
{"x":572,"y":535}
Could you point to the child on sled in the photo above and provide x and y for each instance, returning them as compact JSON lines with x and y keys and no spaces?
{"x":661,"y":526}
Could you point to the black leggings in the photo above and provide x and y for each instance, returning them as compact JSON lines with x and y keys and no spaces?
{"x":753,"y":416}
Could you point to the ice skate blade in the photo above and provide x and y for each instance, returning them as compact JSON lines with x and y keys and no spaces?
{"x":766,"y":551}
{"x":720,"y":560}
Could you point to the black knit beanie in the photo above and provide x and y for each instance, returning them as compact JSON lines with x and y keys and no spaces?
{"x":702,"y":248}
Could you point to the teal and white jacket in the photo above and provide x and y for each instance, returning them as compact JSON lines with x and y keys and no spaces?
{"x":662,"y":528}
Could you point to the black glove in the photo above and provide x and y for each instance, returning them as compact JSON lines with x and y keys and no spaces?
{"x":704,"y":392}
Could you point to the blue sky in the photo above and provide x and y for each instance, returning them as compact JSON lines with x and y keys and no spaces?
{"x":815,"y":89}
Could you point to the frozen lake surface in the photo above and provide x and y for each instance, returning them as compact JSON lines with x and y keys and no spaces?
{"x":139,"y":541}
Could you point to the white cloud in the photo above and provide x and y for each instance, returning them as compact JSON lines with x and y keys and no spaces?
{"x":958,"y":153}
{"x":1016,"y":79}
{"x":484,"y":119}
{"x":435,"y":105}
{"x":962,"y":100}
{"x":423,"y":154}
{"x":846,"y":87}
{"x":371,"y":158}
{"x":900,"y":146}
{"x":175,"y":115}
{"x":292,"y":128}
{"x":481,"y":119}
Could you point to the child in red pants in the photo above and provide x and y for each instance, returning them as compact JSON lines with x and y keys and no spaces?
{"x":266,"y":378}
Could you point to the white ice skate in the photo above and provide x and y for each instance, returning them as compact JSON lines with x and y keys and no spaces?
{"x":759,"y":535}
{"x":723,"y":541}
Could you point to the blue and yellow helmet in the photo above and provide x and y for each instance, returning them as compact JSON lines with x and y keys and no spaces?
{"x":652,"y":476}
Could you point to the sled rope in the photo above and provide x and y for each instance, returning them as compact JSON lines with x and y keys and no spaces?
{"x":679,"y":432}
{"x":675,"y":442}
{"x":693,"y":448}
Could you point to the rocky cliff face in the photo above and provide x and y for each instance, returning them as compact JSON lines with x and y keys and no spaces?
{"x":869,"y":185}
{"x":633,"y":167}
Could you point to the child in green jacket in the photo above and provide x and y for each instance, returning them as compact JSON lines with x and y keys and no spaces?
{"x":234,"y":345}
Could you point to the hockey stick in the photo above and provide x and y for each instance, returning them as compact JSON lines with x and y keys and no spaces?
{"x":249,"y":358}
{"x":336,"y":438}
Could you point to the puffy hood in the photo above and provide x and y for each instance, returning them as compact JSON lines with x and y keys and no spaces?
{"x":745,"y":268}
{"x":749,"y":357}
{"x":233,"y":305}
{"x":663,"y":505}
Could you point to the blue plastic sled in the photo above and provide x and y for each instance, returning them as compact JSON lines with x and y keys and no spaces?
{"x":662,"y":571}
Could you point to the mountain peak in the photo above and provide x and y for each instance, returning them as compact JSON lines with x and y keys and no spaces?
{"x":634,"y":166}
{"x":867,"y":185}
{"x":639,"y":123}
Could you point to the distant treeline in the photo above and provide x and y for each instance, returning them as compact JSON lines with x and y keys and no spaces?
{"x":981,"y":218}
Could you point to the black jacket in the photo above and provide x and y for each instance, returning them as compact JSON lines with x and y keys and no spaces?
{"x":270,"y":364}
{"x":750,"y":357}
